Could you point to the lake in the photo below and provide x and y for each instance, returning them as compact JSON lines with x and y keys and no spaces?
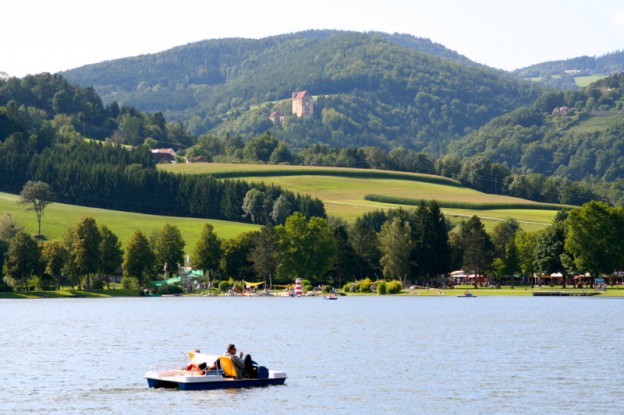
{"x":365,"y":355}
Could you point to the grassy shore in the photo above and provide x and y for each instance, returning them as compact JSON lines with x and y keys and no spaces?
{"x":506,"y":291}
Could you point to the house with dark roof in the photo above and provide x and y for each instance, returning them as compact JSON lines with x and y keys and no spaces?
{"x":164,"y":155}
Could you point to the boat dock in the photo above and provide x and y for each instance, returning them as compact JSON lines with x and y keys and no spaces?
{"x":565,"y":294}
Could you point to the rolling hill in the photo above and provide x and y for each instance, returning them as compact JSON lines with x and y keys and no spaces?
{"x":370,"y":88}
{"x":345,"y":191}
{"x":575,"y":134}
{"x":575,"y":72}
{"x":60,"y":217}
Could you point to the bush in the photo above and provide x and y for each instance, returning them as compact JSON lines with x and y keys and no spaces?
{"x":365,"y":285}
{"x":308,"y":288}
{"x":224,"y":286}
{"x":169,"y":289}
{"x":351,"y":287}
{"x":381,"y":288}
{"x":130,"y":283}
{"x":393,"y":287}
{"x":4,"y":288}
{"x":97,"y":284}
{"x":327,"y":289}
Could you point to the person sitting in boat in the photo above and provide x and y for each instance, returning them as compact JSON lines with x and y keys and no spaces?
{"x":244,"y":366}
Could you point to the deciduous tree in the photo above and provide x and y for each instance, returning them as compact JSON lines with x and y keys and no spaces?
{"x":396,"y":246}
{"x":169,"y":248}
{"x":595,"y":238}
{"x":111,"y":254}
{"x":84,"y":249}
{"x":23,"y":260}
{"x":54,"y":255}
{"x":207,"y":251}
{"x":307,"y":248}
{"x":37,"y":195}
{"x":139,"y":259}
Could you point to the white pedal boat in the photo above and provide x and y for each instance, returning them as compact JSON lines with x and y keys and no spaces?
{"x":193,"y":378}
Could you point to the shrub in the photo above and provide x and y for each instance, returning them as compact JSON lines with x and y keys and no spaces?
{"x":307,"y":288}
{"x":98,"y":284}
{"x":224,"y":286}
{"x":365,"y":285}
{"x":351,"y":287}
{"x":169,"y":289}
{"x":393,"y":287}
{"x":381,"y":288}
{"x":130,"y":283}
{"x":327,"y":289}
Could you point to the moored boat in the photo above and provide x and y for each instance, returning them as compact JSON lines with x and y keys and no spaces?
{"x":224,"y":376}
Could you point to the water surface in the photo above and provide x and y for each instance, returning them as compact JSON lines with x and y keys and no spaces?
{"x":366,"y":355}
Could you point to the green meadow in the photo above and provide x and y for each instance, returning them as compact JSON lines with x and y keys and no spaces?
{"x":343,"y":191}
{"x":58,"y":218}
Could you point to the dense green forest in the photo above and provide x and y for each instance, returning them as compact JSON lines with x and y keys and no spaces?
{"x":41,"y":139}
{"x":371,"y":89}
{"x":562,"y":74}
{"x":574,"y":134}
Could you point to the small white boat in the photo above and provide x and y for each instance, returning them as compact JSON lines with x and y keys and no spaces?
{"x":192,"y":377}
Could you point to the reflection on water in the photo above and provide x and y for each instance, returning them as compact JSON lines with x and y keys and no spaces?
{"x":364,"y":355}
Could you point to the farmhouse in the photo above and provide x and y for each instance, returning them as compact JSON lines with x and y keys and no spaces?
{"x":164,"y":155}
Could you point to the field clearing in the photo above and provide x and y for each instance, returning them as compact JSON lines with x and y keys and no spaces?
{"x":599,"y":122}
{"x":583,"y":81}
{"x":58,"y":218}
{"x":344,"y":196}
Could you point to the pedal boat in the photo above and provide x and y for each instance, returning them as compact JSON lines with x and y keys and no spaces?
{"x":192,"y":378}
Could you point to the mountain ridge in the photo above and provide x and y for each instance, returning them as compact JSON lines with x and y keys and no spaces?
{"x":384,"y":90}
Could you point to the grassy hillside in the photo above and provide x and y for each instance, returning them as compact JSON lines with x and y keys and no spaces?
{"x":58,"y":218}
{"x":343,"y":191}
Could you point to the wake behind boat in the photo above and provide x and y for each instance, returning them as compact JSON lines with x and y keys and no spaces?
{"x":224,"y":376}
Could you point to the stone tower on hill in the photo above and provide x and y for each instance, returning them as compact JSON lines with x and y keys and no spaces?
{"x":302,"y":104}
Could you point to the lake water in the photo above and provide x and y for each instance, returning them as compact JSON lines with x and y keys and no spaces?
{"x":364,"y":355}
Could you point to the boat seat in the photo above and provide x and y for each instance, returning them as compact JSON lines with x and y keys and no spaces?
{"x":228,"y":367}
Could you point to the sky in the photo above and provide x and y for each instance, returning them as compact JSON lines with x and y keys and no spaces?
{"x":54,"y":35}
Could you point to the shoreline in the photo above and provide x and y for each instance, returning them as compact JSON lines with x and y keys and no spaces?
{"x":518,"y":291}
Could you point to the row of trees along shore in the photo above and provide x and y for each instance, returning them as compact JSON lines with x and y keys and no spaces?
{"x":416,"y":246}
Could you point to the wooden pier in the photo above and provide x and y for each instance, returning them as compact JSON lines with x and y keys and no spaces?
{"x":565,"y":293}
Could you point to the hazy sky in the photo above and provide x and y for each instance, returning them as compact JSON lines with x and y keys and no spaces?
{"x":53,"y":35}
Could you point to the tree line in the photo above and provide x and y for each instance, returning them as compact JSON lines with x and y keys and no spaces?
{"x":416,"y":246}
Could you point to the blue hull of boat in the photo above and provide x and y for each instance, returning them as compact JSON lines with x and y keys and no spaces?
{"x":225,"y":384}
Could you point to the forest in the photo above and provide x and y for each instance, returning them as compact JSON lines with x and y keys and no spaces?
{"x":371,"y":88}
{"x":400,"y":247}
{"x":574,"y":134}
{"x":41,"y":142}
